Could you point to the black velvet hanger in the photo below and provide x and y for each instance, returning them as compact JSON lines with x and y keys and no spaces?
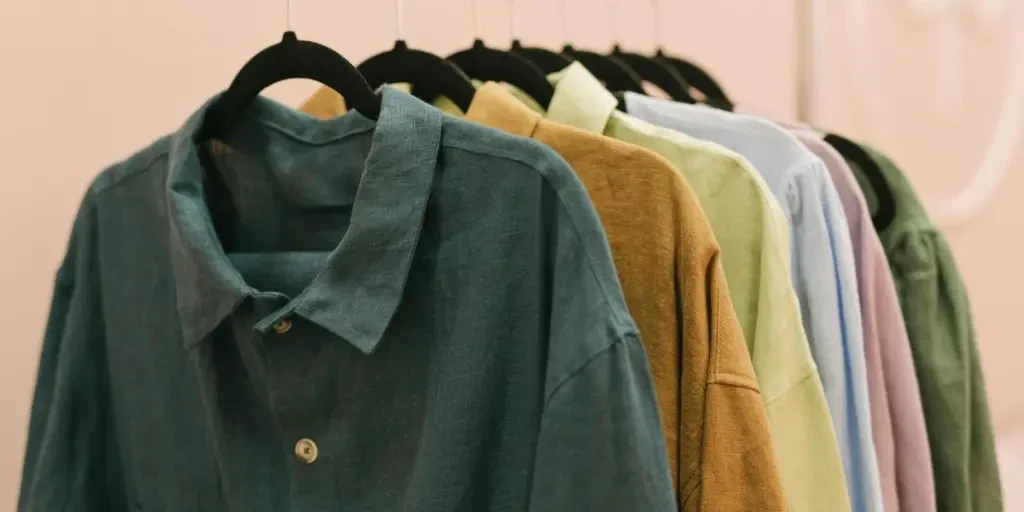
{"x":698,"y":79}
{"x":428,"y":74}
{"x":547,"y":60}
{"x":616,"y":75}
{"x":658,"y":73}
{"x":854,"y":153}
{"x":485,"y":63}
{"x":291,"y":58}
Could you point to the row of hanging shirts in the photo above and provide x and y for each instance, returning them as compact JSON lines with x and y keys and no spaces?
{"x":593,"y":434}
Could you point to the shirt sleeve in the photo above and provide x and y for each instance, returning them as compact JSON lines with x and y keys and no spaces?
{"x":67,"y":465}
{"x":600,"y":446}
{"x":912,"y":460}
{"x":824,"y":275}
{"x":725,"y":454}
{"x":802,"y":433}
{"x":941,"y":331}
{"x":738,"y":467}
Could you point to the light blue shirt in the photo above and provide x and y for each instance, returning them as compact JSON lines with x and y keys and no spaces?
{"x":824,"y":273}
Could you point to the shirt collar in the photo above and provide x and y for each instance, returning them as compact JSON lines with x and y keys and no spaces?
{"x":580,"y":99}
{"x":358,"y":291}
{"x":494,"y":106}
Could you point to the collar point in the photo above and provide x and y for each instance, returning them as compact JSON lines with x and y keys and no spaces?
{"x":365,"y":337}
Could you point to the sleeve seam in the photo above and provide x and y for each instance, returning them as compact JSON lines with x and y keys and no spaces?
{"x":809,"y":374}
{"x":579,"y":369}
{"x":716,"y":332}
{"x":921,"y":274}
{"x":734,"y":380}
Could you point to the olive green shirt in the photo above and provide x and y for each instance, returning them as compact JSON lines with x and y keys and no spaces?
{"x":938,"y":318}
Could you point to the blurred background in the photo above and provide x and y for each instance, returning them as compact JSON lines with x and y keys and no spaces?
{"x":935,"y":84}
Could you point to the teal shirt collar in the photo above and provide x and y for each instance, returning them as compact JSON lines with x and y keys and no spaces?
{"x":358,"y":291}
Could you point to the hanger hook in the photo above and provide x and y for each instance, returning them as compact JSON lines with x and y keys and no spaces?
{"x":399,"y":22}
{"x":288,"y":15}
{"x":613,"y":7}
{"x":512,"y":20}
{"x":659,"y":43}
{"x":565,"y":22}
{"x":474,"y":9}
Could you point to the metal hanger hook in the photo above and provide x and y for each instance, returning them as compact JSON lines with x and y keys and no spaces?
{"x":512,"y":20}
{"x":656,"y":15}
{"x":399,"y":22}
{"x":474,"y":10}
{"x":288,"y":15}
{"x":616,"y":29}
{"x":565,"y":22}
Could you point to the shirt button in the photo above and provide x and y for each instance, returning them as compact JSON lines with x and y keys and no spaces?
{"x":282,"y":326}
{"x":307,"y":451}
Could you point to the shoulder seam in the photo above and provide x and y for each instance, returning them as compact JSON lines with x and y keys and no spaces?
{"x":64,"y":276}
{"x":139,"y":170}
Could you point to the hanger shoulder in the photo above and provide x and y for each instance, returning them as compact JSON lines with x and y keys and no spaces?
{"x":547,"y":60}
{"x":697,"y":77}
{"x":616,"y":75}
{"x":483,"y":63}
{"x":428,"y":74}
{"x":290,"y":58}
{"x":657,"y":73}
{"x":853,"y":152}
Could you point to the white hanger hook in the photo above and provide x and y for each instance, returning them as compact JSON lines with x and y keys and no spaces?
{"x":288,"y":15}
{"x":399,"y":22}
{"x":474,"y":10}
{"x":512,"y":20}
{"x":565,"y":22}
{"x":613,"y":7}
{"x":656,"y":16}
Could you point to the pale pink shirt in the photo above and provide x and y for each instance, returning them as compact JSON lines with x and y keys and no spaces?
{"x":897,"y":416}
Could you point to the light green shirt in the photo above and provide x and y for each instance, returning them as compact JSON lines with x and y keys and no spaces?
{"x":753,"y":234}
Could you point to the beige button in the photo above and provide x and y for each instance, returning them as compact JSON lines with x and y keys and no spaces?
{"x":282,"y":326}
{"x":307,"y":451}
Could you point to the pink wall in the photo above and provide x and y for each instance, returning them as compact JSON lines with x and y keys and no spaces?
{"x":89,"y":82}
{"x":941,"y":93}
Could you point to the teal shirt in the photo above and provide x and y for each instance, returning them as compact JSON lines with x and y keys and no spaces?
{"x":938,"y":317}
{"x":416,"y":313}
